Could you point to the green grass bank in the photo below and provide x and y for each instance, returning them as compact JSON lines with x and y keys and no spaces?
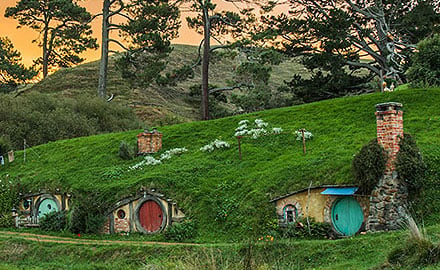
{"x":206,"y":185}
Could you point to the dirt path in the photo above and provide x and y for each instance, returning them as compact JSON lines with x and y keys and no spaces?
{"x":69,"y":240}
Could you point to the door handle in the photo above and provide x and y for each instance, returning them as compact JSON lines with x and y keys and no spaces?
{"x":336,"y":217}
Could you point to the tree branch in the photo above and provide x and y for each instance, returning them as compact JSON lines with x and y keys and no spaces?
{"x":238,"y":86}
{"x":119,"y":43}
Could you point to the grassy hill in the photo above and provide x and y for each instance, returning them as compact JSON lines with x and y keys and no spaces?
{"x":154,"y":104}
{"x":207,"y":184}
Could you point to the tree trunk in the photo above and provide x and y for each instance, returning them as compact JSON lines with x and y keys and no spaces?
{"x":45,"y":51}
{"x":103,"y":66}
{"x":205,"y":64}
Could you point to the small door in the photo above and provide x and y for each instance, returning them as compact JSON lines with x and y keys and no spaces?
{"x":347,"y":216}
{"x":151,"y":216}
{"x":46,"y":206}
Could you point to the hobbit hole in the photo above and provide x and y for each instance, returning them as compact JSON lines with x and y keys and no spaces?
{"x":148,"y":212}
{"x":33,"y":207}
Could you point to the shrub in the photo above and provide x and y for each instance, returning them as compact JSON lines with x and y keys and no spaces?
{"x":5,"y":145}
{"x":410,"y":165}
{"x":299,"y":229}
{"x":425,"y":70}
{"x":126,"y":151}
{"x":40,"y":118}
{"x":415,"y":253}
{"x":54,"y":221}
{"x":88,"y":215}
{"x":181,"y":231}
{"x":8,"y":200}
{"x":368,"y":166}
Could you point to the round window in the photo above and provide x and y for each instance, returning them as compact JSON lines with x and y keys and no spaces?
{"x":26,"y":204}
{"x":121,"y":214}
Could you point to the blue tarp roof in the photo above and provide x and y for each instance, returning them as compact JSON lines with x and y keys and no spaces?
{"x":341,"y":191}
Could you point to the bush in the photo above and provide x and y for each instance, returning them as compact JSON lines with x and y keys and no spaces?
{"x":415,"y":253}
{"x":181,"y":231}
{"x":126,"y":151}
{"x":410,"y":166}
{"x":88,"y":214}
{"x":40,"y":118}
{"x":299,"y":229}
{"x":425,"y":70}
{"x":5,"y":145}
{"x":8,"y":200}
{"x":54,"y":221}
{"x":368,"y":166}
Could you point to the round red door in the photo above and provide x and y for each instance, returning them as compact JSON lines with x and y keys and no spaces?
{"x":150,"y":216}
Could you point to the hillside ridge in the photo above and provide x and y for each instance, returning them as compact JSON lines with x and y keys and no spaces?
{"x":271,"y":165}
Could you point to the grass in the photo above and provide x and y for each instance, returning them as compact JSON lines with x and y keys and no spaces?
{"x":154,"y":104}
{"x":361,"y":252}
{"x":206,"y":185}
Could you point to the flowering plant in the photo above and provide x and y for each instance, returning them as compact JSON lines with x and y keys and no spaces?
{"x":149,"y":160}
{"x":216,"y":144}
{"x":259,"y":128}
{"x":307,"y":135}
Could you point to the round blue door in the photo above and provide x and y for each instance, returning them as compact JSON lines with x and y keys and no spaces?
{"x":46,"y":206}
{"x":347,"y":216}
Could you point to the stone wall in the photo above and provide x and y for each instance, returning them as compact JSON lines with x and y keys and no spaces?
{"x":390,"y":195}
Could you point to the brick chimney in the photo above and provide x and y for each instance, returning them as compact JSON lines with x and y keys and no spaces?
{"x":389,"y":196}
{"x":389,"y":117}
{"x":149,"y":141}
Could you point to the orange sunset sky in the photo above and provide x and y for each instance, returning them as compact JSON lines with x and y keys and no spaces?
{"x":22,"y":38}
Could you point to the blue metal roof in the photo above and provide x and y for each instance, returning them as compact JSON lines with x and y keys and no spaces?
{"x":341,"y":191}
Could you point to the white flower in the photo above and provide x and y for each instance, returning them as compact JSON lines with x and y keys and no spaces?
{"x":307,"y":135}
{"x":277,"y":130}
{"x":260,"y":123}
{"x":243,"y":122}
{"x":216,"y":144}
{"x":149,"y":160}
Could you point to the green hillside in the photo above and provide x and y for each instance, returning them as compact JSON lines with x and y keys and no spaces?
{"x":207,"y":184}
{"x":154,"y":104}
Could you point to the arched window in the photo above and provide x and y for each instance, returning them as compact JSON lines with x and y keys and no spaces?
{"x":289,"y":213}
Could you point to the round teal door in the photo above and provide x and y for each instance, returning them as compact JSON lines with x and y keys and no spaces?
{"x":47,"y":206}
{"x":347,"y":216}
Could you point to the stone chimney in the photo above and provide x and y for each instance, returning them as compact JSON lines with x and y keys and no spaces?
{"x":149,"y":141}
{"x":389,"y":196}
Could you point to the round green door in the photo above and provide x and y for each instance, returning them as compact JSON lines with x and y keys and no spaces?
{"x":347,"y":216}
{"x":47,"y":206}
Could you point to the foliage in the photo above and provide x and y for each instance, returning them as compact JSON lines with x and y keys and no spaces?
{"x":8,"y":200}
{"x":368,"y":166}
{"x":216,"y":144}
{"x":271,"y":166}
{"x":54,"y":221}
{"x":149,"y":31}
{"x":300,"y":229}
{"x":181,"y":231}
{"x":307,"y":135}
{"x":217,"y":109}
{"x":88,"y":213}
{"x":12,"y":71}
{"x":151,"y":161}
{"x":410,"y":166}
{"x":5,"y":145}
{"x":64,"y":29}
{"x":259,"y":128}
{"x":328,"y":80}
{"x":425,"y":70}
{"x":126,"y":151}
{"x":334,"y":36}
{"x":40,"y":118}
{"x":415,"y":254}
